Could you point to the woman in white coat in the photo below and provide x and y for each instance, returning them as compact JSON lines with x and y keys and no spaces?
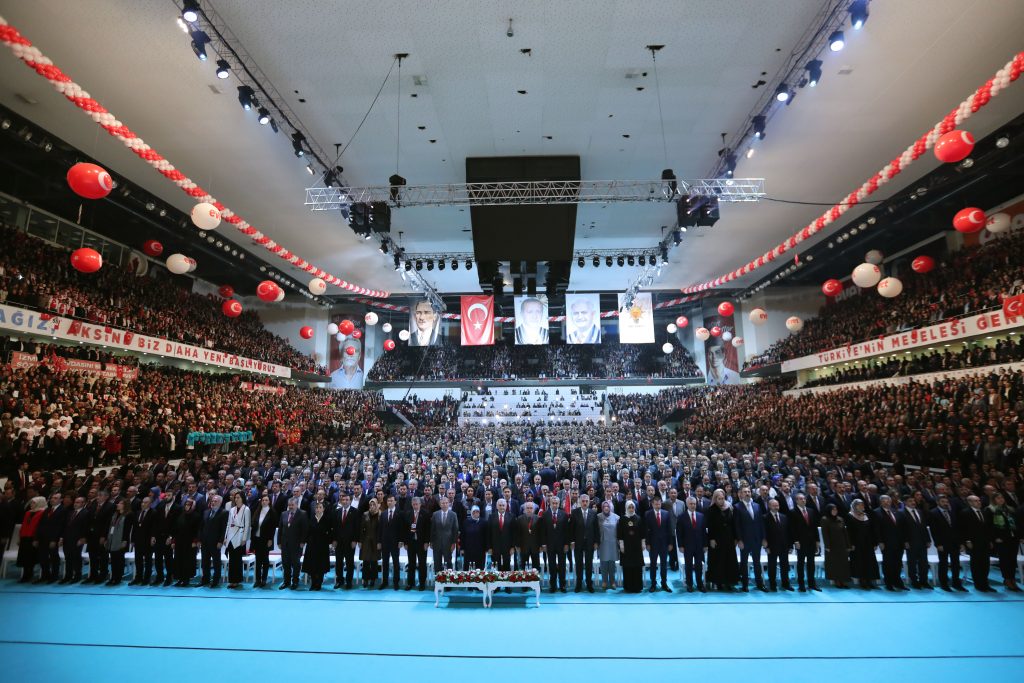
{"x":236,"y":538}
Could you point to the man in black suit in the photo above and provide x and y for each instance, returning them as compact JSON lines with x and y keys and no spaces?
{"x":778,"y":543}
{"x":556,"y":542}
{"x":528,"y":536}
{"x":916,"y":541}
{"x":347,"y":526}
{"x":48,"y":535}
{"x":501,"y":537}
{"x":389,"y":535}
{"x":943,"y":524}
{"x":416,"y":535}
{"x":975,"y":536}
{"x":888,"y":530}
{"x":163,"y":527}
{"x":142,"y":541}
{"x":585,"y":536}
{"x":749,"y":524}
{"x":100,"y":513}
{"x":291,"y":537}
{"x":211,"y":539}
{"x":803,"y":527}
{"x":76,"y":528}
{"x":691,"y":537}
{"x":659,"y":542}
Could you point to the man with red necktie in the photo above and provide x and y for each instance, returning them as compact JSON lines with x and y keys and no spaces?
{"x":555,"y":542}
{"x":501,"y":537}
{"x":659,"y":543}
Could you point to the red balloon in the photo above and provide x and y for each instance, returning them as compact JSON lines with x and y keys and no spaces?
{"x":350,"y":350}
{"x":716,"y":331}
{"x":682,"y":321}
{"x":90,"y":181}
{"x":389,"y":344}
{"x":971,"y":219}
{"x":231,"y":308}
{"x":954,"y":146}
{"x":267,"y":290}
{"x":922,"y":264}
{"x":346,"y":326}
{"x":45,"y":316}
{"x":86,"y":260}
{"x":725,"y":309}
{"x":226,"y":291}
{"x":832,"y":287}
{"x":306,"y":332}
{"x":152,"y":248}
{"x":357,"y":334}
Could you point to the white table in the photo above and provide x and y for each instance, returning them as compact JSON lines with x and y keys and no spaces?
{"x":439,"y":588}
{"x":494,"y":586}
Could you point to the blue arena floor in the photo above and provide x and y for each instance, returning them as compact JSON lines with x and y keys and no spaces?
{"x":79,"y":633}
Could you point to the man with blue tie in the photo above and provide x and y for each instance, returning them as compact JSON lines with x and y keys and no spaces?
{"x":659,"y":542}
{"x":692,"y":538}
{"x":750,"y":534}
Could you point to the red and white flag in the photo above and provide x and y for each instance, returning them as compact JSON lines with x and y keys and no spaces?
{"x":477,"y":320}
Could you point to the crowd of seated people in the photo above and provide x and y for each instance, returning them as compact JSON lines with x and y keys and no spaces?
{"x":968,"y":281}
{"x":428,"y":412}
{"x":971,"y":356}
{"x":565,"y":404}
{"x":38,"y":275}
{"x":554,"y":361}
{"x":649,"y":409}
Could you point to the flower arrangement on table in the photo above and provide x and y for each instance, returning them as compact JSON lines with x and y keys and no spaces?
{"x":453,"y":577}
{"x":520,"y":576}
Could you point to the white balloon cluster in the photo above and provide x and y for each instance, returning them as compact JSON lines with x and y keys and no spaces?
{"x":206,"y":216}
{"x":671,"y":328}
{"x":866,"y":275}
{"x":758,"y":316}
{"x":371,"y":318}
{"x":403,"y":335}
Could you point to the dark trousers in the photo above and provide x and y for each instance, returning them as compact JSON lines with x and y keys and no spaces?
{"x":754,"y":554}
{"x":344,"y":562}
{"x":291,"y":565}
{"x":949,"y":560}
{"x":210,"y":558}
{"x":892,"y":565}
{"x":417,"y":567}
{"x":72,"y":560}
{"x":164,"y":560}
{"x":442,"y":560}
{"x":476,"y":560}
{"x":693,"y":563}
{"x":235,"y":555}
{"x":780,"y":560}
{"x":98,"y":559}
{"x":531,"y":557}
{"x":585,"y":565}
{"x":391,"y":568}
{"x":917,"y":566}
{"x":980,"y":565}
{"x":658,"y":556}
{"x":49,"y":559}
{"x":805,"y":565}
{"x":503,"y":560}
{"x":143,"y":563}
{"x":262,"y":552}
{"x":556,"y":568}
{"x":184,"y":561}
{"x":1007,"y":554}
{"x":117,"y":566}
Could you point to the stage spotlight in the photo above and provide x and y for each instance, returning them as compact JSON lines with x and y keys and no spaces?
{"x":813,"y":72}
{"x":677,"y":237}
{"x":223,"y":69}
{"x":664,"y":255}
{"x":273,"y":125}
{"x":782,"y":93}
{"x":246,"y":96}
{"x":581,"y":262}
{"x":199,"y":42}
{"x":310,"y":170}
{"x":621,"y":261}
{"x":190,"y":11}
{"x":630,"y":260}
{"x":408,"y":265}
{"x":419,"y":265}
{"x":469,"y":264}
{"x":652,"y":259}
{"x":263,"y":116}
{"x":398,"y":263}
{"x":836,"y":41}
{"x":455,"y":264}
{"x":670,"y":186}
{"x":297,"y":140}
{"x":596,"y":261}
{"x":384,"y":247}
{"x":441,"y":264}
{"x":858,"y":13}
{"x":430,"y":264}
{"x":730,"y":164}
{"x":642,"y":260}
{"x":396,"y":182}
{"x":608,"y":261}
{"x":758,"y":124}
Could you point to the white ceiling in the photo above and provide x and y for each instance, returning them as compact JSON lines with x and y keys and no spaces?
{"x":911,"y":63}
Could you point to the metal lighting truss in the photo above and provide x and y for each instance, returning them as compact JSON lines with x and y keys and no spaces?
{"x":537,"y":192}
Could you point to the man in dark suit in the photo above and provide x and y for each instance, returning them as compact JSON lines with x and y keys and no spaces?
{"x":749,"y":523}
{"x":556,"y":542}
{"x":416,"y":532}
{"x":444,"y":535}
{"x":815,"y":501}
{"x":501,"y":537}
{"x":777,"y":542}
{"x":528,"y":536}
{"x":163,"y":527}
{"x":943,"y":524}
{"x":659,"y":542}
{"x":76,"y":528}
{"x":48,"y":535}
{"x":975,"y":536}
{"x":211,"y":539}
{"x":691,"y":537}
{"x":142,"y":542}
{"x":100,"y":513}
{"x":803,"y":527}
{"x":585,"y":536}
{"x":389,"y":535}
{"x":888,"y":531}
{"x":916,"y":541}
{"x":291,"y":537}
{"x":347,"y":526}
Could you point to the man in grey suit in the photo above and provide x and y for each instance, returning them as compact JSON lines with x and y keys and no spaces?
{"x":444,"y":533}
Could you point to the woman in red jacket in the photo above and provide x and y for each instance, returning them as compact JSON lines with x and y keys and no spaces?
{"x":28,"y":554}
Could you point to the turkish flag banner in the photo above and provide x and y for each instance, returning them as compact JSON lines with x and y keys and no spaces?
{"x":477,"y":320}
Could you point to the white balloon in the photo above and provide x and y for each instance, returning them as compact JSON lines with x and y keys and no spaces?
{"x":280,"y":295}
{"x":206,"y":216}
{"x":758,"y":316}
{"x":317,"y":286}
{"x":386,"y":327}
{"x":192,"y":265}
{"x":794,"y":324}
{"x":371,"y":318}
{"x":703,"y":333}
{"x":726,"y":336}
{"x":890,"y":287}
{"x":998,"y":222}
{"x":332,"y":328}
{"x":177,"y":264}
{"x":667,"y":347}
{"x":874,"y":257}
{"x":671,"y":328}
{"x":341,"y":336}
{"x":737,"y":342}
{"x":866,"y":275}
{"x":403,"y":335}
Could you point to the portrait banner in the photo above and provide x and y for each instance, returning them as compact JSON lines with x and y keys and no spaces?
{"x":531,"y":320}
{"x":583,"y":318}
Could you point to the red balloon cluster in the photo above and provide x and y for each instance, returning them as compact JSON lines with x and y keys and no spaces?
{"x":90,"y":181}
{"x":389,"y":344}
{"x":346,"y":327}
{"x":357,"y":334}
{"x":86,"y":260}
{"x":682,"y":321}
{"x":716,"y":331}
{"x":954,"y":146}
{"x":306,"y":332}
{"x":832,"y":287}
{"x":152,"y":248}
{"x":725,"y":309}
{"x":268,"y":290}
{"x":231,"y":308}
{"x":922,"y":264}
{"x":226,"y":291}
{"x":971,"y":219}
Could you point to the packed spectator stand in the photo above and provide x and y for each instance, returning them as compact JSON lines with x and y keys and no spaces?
{"x":556,"y":404}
